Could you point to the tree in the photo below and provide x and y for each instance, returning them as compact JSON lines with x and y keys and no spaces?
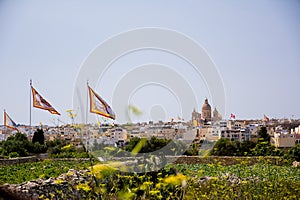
{"x":17,"y":143}
{"x":151,"y":145}
{"x":265,"y":149}
{"x":38,"y":136}
{"x":263,"y":146}
{"x":39,"y":148}
{"x":193,"y":149}
{"x":293,"y":153}
{"x":223,"y":147}
{"x":246,"y":147}
{"x":263,"y":135}
{"x":54,"y":147}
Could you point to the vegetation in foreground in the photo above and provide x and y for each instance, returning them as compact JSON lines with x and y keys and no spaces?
{"x":181,"y":181}
{"x":15,"y":174}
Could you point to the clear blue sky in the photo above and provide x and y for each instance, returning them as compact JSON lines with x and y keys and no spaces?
{"x":254,"y":44}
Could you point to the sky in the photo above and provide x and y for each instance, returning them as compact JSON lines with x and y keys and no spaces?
{"x":255,"y":46}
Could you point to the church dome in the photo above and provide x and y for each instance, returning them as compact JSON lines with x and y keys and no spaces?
{"x":206,"y":105}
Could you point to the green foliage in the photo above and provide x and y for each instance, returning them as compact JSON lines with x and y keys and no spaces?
{"x":225,"y":147}
{"x":67,"y":151}
{"x":259,"y":181}
{"x":263,"y":135}
{"x":38,"y":136}
{"x":13,"y":155}
{"x":17,"y":143}
{"x":181,"y":181}
{"x":263,"y":146}
{"x":193,"y":149}
{"x":146,"y":146}
{"x":222,"y":148}
{"x":60,"y":149}
{"x":245,"y":148}
{"x":38,"y":148}
{"x":19,"y":146}
{"x":152,"y":146}
{"x":56,"y":142}
{"x":14,"y":174}
{"x":293,"y":153}
{"x":54,"y":147}
{"x":265,"y":149}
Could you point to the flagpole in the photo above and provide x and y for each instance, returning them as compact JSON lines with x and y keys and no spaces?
{"x":5,"y":124}
{"x":87,"y":101}
{"x":30,"y":107}
{"x":86,"y":116}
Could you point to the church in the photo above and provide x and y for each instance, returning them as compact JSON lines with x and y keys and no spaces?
{"x":206,"y":114}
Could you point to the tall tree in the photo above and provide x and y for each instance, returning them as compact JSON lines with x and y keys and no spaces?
{"x":38,"y":136}
{"x":263,"y":135}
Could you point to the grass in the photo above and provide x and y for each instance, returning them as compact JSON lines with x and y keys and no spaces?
{"x":175,"y":181}
{"x":262,"y":171}
{"x":15,"y":174}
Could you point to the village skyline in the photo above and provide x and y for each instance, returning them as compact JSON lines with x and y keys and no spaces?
{"x":254,"y":48}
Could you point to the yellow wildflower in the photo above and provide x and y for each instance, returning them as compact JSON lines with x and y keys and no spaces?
{"x":101,"y":170}
{"x":154,"y":192}
{"x":83,"y":186}
{"x":158,"y":185}
{"x":67,"y":146}
{"x":58,"y":181}
{"x":175,"y":180}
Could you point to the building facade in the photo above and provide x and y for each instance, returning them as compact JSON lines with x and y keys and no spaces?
{"x":206,"y":111}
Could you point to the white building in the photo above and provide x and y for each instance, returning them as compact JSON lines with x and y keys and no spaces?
{"x":235,"y":135}
{"x":283,"y":139}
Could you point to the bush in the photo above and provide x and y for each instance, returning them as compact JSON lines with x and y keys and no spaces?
{"x":17,"y":143}
{"x":225,"y":147}
{"x":39,"y":148}
{"x":38,"y":136}
{"x":13,"y":155}
{"x":293,"y":153}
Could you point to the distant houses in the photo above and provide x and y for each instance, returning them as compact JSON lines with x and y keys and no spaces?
{"x":202,"y":126}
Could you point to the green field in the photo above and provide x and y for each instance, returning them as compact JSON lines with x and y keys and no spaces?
{"x":180,"y":181}
{"x":29,"y":171}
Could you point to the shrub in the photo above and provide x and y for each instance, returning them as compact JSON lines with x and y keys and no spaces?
{"x":13,"y":155}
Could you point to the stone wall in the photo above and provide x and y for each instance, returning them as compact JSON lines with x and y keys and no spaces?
{"x":224,"y":160}
{"x":62,"y":187}
{"x":14,"y":161}
{"x":229,"y":160}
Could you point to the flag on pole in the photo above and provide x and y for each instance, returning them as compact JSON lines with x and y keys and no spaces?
{"x":40,"y":102}
{"x":99,"y":106}
{"x":8,"y":122}
{"x":179,"y":118}
{"x":267,"y":119}
{"x":232,"y":116}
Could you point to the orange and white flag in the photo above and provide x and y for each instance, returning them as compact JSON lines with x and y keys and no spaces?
{"x":8,"y":122}
{"x":40,"y":102}
{"x":99,"y":106}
